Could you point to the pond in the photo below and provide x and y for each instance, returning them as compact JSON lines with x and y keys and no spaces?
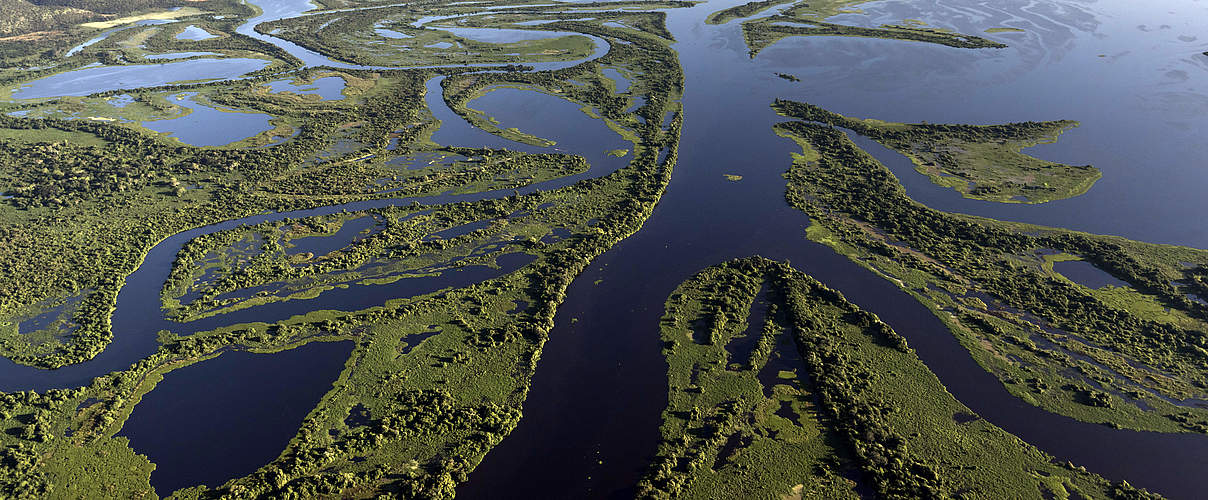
{"x":181,"y":55}
{"x":195,"y":33}
{"x":621,"y":81}
{"x":1086,"y":274}
{"x":591,"y":421}
{"x":328,"y":88}
{"x":209,"y":126}
{"x":226,"y":417}
{"x":95,"y":79}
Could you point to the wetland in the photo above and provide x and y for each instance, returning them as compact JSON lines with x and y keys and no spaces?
{"x":644,"y":249}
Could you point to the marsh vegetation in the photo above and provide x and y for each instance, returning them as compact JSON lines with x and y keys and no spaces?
{"x":1124,"y":356}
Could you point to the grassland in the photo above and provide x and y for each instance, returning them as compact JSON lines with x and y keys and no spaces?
{"x":1126,"y":357}
{"x":982,"y":162}
{"x":160,"y":15}
{"x":354,"y":37}
{"x":808,"y":18}
{"x":764,"y":32}
{"x":779,"y":387}
{"x":740,"y":11}
{"x":52,"y":212}
{"x":440,"y":377}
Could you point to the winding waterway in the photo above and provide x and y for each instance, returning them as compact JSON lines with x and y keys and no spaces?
{"x":591,"y":421}
{"x":590,"y":424}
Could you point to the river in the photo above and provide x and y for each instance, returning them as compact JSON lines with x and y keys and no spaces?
{"x":591,"y":422}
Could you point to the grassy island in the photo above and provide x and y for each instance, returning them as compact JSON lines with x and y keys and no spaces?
{"x":980,"y":161}
{"x":1131,"y":356}
{"x":808,"y":18}
{"x":780,"y":387}
{"x":435,"y":380}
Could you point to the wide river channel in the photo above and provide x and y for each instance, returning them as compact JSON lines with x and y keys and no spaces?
{"x":1131,"y":72}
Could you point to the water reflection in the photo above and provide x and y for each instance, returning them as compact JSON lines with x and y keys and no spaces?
{"x":196,"y":127}
{"x":87,"y":81}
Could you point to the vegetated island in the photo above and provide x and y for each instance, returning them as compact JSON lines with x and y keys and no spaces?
{"x":1130,"y":356}
{"x":435,"y":380}
{"x":808,"y":18}
{"x":761,"y":33}
{"x":980,"y":161}
{"x":745,"y":10}
{"x":781,"y":388}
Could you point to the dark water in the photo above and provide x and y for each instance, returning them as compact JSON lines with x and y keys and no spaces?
{"x":226,"y":417}
{"x":1086,"y":274}
{"x":350,"y":231}
{"x":591,"y":421}
{"x":137,"y":317}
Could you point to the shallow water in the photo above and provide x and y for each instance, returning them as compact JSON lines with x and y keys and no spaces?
{"x":180,"y":55}
{"x":388,"y":33}
{"x":350,"y":231}
{"x":136,"y":338}
{"x":1086,"y":274}
{"x":615,"y":75}
{"x":591,"y":420}
{"x":105,"y":34}
{"x":195,"y":33}
{"x":196,"y":128}
{"x":1132,"y":73}
{"x":87,"y":81}
{"x":327,"y":88}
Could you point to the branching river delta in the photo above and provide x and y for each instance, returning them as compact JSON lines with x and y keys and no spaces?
{"x":187,"y":184}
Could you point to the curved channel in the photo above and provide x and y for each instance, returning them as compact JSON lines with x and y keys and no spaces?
{"x":135,"y":330}
{"x":591,"y":420}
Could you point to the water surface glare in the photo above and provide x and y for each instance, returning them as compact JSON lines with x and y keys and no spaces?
{"x":197,"y":127}
{"x":1131,"y":72}
{"x":591,"y":421}
{"x":87,"y":81}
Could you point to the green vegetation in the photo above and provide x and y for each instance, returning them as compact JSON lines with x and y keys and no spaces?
{"x":815,"y":397}
{"x":437,"y":379}
{"x":37,"y":35}
{"x":435,"y":405}
{"x":136,"y":184}
{"x":816,"y":9}
{"x":335,"y":156}
{"x":980,"y":161}
{"x":762,"y":33}
{"x":168,"y":14}
{"x":1131,"y":357}
{"x":353,"y":37}
{"x":820,"y":399}
{"x":745,"y":10}
{"x":808,"y":18}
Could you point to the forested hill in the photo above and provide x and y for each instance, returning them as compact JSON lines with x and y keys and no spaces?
{"x":21,"y":17}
